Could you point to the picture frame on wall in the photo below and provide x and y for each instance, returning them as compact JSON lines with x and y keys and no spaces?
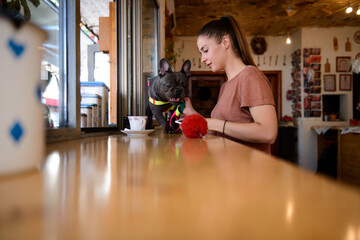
{"x":329,"y":82}
{"x":343,"y":64}
{"x":345,"y":82}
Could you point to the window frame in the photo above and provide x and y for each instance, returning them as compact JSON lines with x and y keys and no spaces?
{"x":128,"y":14}
{"x":69,"y":71}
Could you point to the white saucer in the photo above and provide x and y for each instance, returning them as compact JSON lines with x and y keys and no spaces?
{"x":137,"y":133}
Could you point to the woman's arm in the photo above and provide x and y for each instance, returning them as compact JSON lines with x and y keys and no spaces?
{"x":262,"y":130}
{"x":188,"y":107}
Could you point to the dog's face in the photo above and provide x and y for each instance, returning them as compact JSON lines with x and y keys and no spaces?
{"x":173,"y":85}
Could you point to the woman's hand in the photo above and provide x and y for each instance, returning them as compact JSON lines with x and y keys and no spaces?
{"x":188,"y":107}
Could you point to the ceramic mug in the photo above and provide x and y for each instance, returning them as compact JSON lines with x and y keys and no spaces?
{"x":137,"y":123}
{"x":22,"y":134}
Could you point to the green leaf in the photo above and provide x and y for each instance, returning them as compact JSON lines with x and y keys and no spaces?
{"x":27,"y":13}
{"x":35,"y":2}
{"x":17,"y":5}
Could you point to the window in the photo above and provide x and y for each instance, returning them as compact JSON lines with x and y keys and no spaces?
{"x":142,"y":51}
{"x":98,"y":78}
{"x":59,"y":70}
{"x":150,"y":41}
{"x":46,"y":16}
{"x":74,"y":58}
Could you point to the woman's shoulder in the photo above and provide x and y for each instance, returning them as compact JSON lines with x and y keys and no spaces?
{"x":248,"y":71}
{"x":254,"y":72}
{"x":251,"y":74}
{"x":251,"y":69}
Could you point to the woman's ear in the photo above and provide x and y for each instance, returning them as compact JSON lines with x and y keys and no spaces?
{"x":226,"y":41}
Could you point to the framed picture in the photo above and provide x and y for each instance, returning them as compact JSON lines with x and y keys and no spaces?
{"x":343,"y":64}
{"x":345,"y":82}
{"x":330,"y":82}
{"x":315,"y":51}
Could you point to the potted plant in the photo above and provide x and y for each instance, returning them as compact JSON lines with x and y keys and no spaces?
{"x":18,"y":8}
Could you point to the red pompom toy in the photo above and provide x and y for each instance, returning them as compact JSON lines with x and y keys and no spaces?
{"x":194,"y":126}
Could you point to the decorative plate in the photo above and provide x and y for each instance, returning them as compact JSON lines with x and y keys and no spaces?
{"x":357,"y":56}
{"x":357,"y":37}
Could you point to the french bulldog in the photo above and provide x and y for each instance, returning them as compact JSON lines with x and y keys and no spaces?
{"x":166,"y":92}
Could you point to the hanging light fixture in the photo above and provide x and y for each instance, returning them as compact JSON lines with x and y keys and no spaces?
{"x":349,"y":8}
{"x":288,"y":39}
{"x":358,"y":11}
{"x":289,"y":8}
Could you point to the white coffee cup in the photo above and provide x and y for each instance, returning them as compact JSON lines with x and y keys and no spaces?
{"x":137,"y":123}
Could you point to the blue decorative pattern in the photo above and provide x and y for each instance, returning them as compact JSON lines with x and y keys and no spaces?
{"x":16,"y":131}
{"x":38,"y":91}
{"x":17,"y":49}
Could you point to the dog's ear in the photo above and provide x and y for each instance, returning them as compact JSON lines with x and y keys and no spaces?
{"x":186,"y":67}
{"x":164,"y":67}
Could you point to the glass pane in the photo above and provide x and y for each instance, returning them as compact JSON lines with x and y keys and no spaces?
{"x":46,"y":17}
{"x":150,"y":37}
{"x":97,"y":75}
{"x":149,"y":41}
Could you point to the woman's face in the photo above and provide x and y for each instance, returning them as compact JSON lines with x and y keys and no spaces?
{"x":212,"y":53}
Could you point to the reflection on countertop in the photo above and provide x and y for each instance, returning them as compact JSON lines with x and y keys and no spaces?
{"x":169,"y":187}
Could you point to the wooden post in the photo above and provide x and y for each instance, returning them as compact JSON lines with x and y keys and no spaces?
{"x":112,"y":52}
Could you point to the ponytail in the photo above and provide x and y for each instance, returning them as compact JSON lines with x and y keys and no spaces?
{"x":241,"y":43}
{"x":227,"y":25}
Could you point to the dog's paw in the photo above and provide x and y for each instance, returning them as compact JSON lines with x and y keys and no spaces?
{"x":169,"y":130}
{"x":172,"y":131}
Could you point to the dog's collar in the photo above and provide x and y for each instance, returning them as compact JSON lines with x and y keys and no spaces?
{"x":157,"y":102}
{"x":179,"y":108}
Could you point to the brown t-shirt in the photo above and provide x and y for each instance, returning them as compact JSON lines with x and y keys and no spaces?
{"x":248,"y":88}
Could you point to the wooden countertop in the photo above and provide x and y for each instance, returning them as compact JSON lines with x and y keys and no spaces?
{"x":169,"y":187}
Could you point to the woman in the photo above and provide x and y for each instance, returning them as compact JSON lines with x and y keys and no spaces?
{"x":245,"y":109}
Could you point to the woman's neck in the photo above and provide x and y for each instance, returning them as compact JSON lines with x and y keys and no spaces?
{"x":233,"y":67}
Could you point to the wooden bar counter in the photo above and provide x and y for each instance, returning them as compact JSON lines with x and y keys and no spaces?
{"x":168,"y":187}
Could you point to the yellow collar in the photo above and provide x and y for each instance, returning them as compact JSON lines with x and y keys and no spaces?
{"x":157,"y":102}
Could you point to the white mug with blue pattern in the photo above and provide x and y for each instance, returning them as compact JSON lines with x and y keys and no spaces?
{"x":22,"y":141}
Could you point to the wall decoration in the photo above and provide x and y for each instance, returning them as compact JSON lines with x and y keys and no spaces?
{"x":345,"y":82}
{"x":330,"y":82}
{"x":355,"y":66}
{"x":312,"y":105}
{"x":315,"y":51}
{"x":315,"y":59}
{"x":289,"y":94}
{"x":342,"y":64}
{"x":295,"y":91}
{"x":348,"y":46}
{"x":327,"y":65}
{"x":258,"y":45}
{"x":312,"y":82}
{"x":357,"y":56}
{"x":315,"y":89}
{"x":335,"y":44}
{"x":357,"y":36}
